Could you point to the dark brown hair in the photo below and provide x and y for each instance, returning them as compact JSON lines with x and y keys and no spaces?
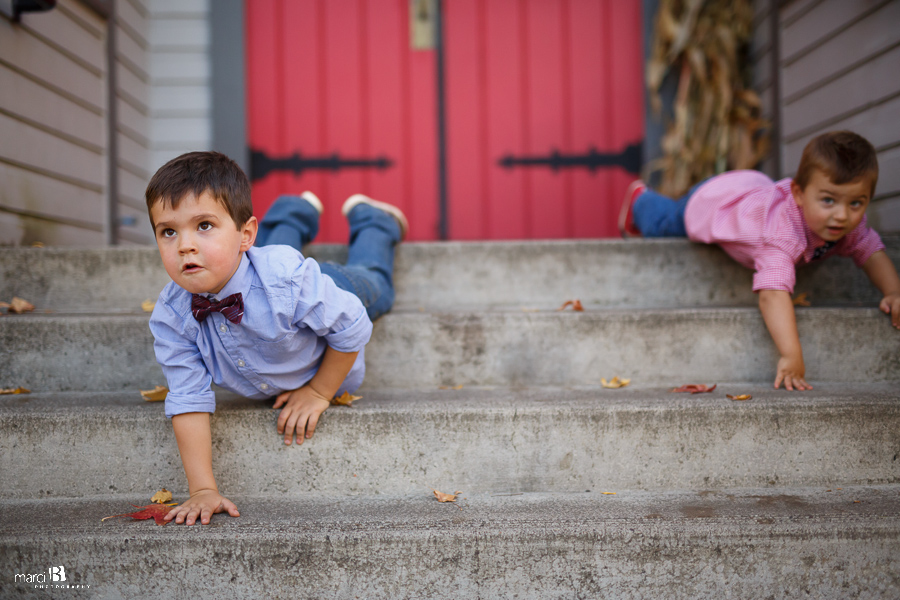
{"x":843,"y":156}
{"x":197,"y":172}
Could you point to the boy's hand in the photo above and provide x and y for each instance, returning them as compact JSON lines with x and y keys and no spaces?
{"x":302,"y":408}
{"x":203,"y":504}
{"x":792,"y":372}
{"x":890,"y":304}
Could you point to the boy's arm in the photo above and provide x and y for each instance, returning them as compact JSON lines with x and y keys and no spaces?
{"x":195,"y":445}
{"x":303,"y":406}
{"x":881,"y":271}
{"x":778,"y":312}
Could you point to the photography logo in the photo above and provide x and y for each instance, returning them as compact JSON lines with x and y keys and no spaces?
{"x":54,"y":577}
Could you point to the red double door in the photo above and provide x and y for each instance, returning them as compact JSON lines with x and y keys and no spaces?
{"x":542,"y":119}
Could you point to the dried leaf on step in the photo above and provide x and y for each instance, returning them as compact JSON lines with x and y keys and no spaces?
{"x":614,"y":383}
{"x":18,"y":390}
{"x":694,"y":388}
{"x":575,"y":304}
{"x":19,"y":305}
{"x":162,"y":496}
{"x":801,"y":300}
{"x":345,"y":399}
{"x":442,"y":497}
{"x":147,"y":305}
{"x":454,"y":387}
{"x":157,"y":512}
{"x":739,"y":397}
{"x":157,"y":394}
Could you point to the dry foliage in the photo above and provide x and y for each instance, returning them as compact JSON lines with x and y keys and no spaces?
{"x":442,"y":497}
{"x":17,"y":305}
{"x":575,"y":304}
{"x":694,"y":388}
{"x":18,"y":390}
{"x":161,"y":497}
{"x":740,"y":397}
{"x":614,"y":383}
{"x":801,"y":299}
{"x":345,"y":399}
{"x":157,"y":394}
{"x":157,"y":512}
{"x":717,"y":122}
{"x":148,"y":305}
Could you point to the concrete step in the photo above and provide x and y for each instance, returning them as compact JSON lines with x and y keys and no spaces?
{"x":477,"y":440}
{"x":748,"y":543}
{"x":460,"y":275}
{"x":503,"y":347}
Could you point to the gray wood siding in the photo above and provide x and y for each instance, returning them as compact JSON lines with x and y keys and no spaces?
{"x":840,"y":69}
{"x":52,"y":127}
{"x":180,"y":83}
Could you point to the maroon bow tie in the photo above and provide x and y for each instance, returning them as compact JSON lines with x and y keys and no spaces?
{"x":232,"y":307}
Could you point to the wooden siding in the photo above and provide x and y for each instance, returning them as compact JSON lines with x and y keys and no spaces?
{"x":52,"y":127}
{"x":839,"y":68}
{"x":180,"y":88}
{"x":54,"y":132}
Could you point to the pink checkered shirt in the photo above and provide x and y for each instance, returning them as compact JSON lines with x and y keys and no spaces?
{"x":757,"y":222}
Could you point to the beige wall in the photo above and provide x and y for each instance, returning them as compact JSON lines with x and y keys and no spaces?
{"x":839,"y":68}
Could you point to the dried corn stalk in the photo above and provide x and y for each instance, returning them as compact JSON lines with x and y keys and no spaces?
{"x":717,"y":124}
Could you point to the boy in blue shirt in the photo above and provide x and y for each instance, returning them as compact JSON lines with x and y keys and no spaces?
{"x":260,"y":320}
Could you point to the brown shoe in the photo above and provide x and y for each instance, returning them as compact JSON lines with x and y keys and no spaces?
{"x":390,"y":209}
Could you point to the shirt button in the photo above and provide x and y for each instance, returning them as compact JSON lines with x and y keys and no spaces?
{"x":240,"y":363}
{"x":264,"y":386}
{"x":223,"y":328}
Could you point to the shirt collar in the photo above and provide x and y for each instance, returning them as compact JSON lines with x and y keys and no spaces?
{"x":239,"y":282}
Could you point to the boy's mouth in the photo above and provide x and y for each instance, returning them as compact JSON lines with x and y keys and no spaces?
{"x":190,"y":268}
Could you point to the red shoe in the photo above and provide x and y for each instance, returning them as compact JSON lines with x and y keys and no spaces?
{"x":626,"y":214}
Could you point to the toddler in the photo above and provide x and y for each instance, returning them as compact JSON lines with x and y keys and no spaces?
{"x":260,"y":321}
{"x":772,"y":227}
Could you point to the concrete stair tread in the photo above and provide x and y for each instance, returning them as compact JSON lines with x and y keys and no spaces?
{"x":528,"y":439}
{"x":625,"y":273}
{"x":748,"y":543}
{"x":500,"y":510}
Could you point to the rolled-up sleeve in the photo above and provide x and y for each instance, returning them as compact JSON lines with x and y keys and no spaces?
{"x":775,"y":270}
{"x":187,"y":376}
{"x":332,"y":313}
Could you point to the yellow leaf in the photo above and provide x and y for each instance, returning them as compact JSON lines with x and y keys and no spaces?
{"x":162,"y":496}
{"x":608,"y":493}
{"x":345,"y":399}
{"x":18,"y":305}
{"x":447,"y":387}
{"x":801,"y":300}
{"x":740,"y":397}
{"x":614,"y":383}
{"x":442,"y":497}
{"x":18,"y":390}
{"x":147,"y":305}
{"x":157,"y":394}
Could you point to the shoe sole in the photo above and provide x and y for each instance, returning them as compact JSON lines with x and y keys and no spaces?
{"x":314,"y":200}
{"x":390,"y":209}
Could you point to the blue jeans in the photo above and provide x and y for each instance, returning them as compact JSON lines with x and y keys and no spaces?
{"x":656,"y":215}
{"x":369,"y":272}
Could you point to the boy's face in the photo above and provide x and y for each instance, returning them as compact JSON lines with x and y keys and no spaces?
{"x":832,"y":210}
{"x":200,"y":245}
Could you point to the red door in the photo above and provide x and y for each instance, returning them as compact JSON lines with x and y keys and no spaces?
{"x":543,"y":118}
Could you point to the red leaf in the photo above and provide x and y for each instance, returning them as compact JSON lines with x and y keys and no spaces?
{"x":575,"y":304}
{"x":152,"y":511}
{"x":694,"y":388}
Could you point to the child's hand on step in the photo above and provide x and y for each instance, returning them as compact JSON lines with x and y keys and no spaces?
{"x":792,"y":372}
{"x":202,"y":504}
{"x":890,"y":304}
{"x":302,"y":408}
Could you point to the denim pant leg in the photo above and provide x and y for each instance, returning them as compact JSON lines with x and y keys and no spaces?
{"x":369,"y":272}
{"x":656,"y":215}
{"x":291,"y":221}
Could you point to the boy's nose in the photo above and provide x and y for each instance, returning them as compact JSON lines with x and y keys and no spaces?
{"x":186,"y":244}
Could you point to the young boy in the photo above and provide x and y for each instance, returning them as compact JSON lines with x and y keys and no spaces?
{"x":259,"y":321}
{"x":772,"y":227}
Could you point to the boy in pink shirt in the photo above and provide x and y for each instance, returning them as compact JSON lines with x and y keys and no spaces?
{"x":773,"y":227}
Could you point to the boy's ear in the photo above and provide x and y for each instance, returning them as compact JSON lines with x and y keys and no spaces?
{"x":248,"y":233}
{"x":797,"y":193}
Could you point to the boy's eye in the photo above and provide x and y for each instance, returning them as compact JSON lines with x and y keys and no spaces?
{"x":827,"y":200}
{"x":205,"y":226}
{"x":167,"y":232}
{"x":856,"y":204}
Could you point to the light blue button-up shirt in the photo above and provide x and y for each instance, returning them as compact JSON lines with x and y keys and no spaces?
{"x":291,"y":314}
